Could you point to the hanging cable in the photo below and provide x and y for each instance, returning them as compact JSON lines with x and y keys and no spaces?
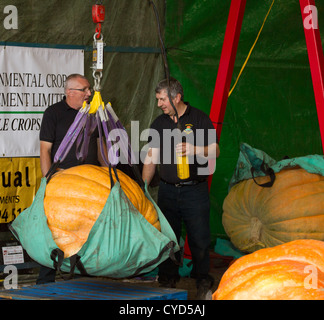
{"x":250,"y":52}
{"x":166,"y":67}
{"x":164,"y":57}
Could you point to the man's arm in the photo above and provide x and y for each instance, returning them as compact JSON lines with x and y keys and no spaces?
{"x":150,"y":162}
{"x":210,"y":152}
{"x":45,"y":156}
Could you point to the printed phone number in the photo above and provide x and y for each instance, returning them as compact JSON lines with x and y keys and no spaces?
{"x":9,"y":215}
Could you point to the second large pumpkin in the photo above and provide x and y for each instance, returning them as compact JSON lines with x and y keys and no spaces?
{"x":75,"y":197}
{"x":256,"y":217}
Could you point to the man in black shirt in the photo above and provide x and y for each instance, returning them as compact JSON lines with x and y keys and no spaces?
{"x":186,"y":199}
{"x":56,"y":121}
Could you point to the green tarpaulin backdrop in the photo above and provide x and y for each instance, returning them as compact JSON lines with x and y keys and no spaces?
{"x":272,"y":107}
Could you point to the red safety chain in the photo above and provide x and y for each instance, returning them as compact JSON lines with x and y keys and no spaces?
{"x":98,"y":16}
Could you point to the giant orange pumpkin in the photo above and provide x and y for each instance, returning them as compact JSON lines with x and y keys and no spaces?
{"x":255,"y":217}
{"x":292,"y":271}
{"x":75,"y":197}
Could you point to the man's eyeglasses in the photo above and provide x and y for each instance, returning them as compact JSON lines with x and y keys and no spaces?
{"x":82,"y":90}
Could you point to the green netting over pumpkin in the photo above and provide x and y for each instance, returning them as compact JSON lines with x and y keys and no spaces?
{"x":120,"y":244}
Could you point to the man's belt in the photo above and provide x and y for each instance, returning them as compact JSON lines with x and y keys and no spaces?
{"x":185,"y":183}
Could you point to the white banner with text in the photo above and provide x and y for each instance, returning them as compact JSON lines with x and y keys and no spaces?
{"x":31,"y":79}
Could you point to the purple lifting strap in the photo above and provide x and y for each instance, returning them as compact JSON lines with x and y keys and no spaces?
{"x":81,"y":129}
{"x":70,"y":137}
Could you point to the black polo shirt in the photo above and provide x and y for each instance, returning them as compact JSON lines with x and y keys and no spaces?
{"x":56,"y":121}
{"x":196,"y":128}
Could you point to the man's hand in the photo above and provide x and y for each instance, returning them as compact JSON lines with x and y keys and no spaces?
{"x":187,"y":149}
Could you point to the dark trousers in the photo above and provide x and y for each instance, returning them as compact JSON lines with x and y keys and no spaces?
{"x":188,"y":204}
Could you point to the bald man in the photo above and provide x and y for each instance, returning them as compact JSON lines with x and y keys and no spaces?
{"x":56,"y":121}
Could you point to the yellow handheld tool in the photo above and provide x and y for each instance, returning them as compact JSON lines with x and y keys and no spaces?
{"x":182,"y":167}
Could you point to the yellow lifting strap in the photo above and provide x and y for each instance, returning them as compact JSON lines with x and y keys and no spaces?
{"x":95,"y":103}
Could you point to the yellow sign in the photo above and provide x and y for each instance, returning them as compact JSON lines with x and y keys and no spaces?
{"x":19,"y":182}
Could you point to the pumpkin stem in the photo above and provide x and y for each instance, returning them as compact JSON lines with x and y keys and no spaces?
{"x":256,"y":226}
{"x":255,"y":236}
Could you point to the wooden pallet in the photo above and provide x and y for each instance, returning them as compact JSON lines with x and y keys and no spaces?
{"x":92,"y":289}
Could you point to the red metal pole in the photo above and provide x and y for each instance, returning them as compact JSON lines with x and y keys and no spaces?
{"x":316,"y":57}
{"x":226,"y":65}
